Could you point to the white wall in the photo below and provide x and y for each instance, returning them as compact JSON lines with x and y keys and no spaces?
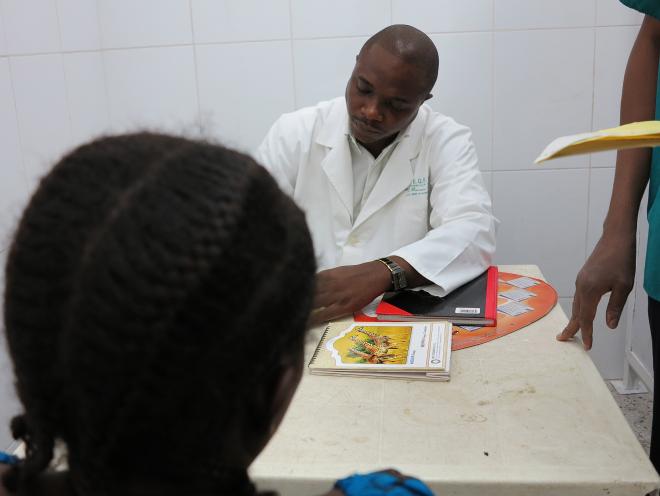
{"x":519,"y":72}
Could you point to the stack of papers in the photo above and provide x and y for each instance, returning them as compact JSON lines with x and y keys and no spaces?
{"x":392,"y":350}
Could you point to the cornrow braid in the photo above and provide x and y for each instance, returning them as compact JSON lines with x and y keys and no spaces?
{"x":145,"y":269}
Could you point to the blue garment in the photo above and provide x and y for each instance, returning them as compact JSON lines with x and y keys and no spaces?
{"x":8,"y":459}
{"x":652,"y":267}
{"x":382,"y":483}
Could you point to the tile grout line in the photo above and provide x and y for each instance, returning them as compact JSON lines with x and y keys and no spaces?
{"x":4,"y":30}
{"x":492,"y":102}
{"x":67,"y":95}
{"x":104,"y":68}
{"x":589,"y":171}
{"x":196,"y":67}
{"x":21,"y":145}
{"x":321,"y":38}
{"x":293,"y":58}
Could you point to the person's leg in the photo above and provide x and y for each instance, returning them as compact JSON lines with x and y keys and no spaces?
{"x":654,"y":323}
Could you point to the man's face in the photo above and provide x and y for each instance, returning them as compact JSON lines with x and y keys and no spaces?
{"x":383,"y":95}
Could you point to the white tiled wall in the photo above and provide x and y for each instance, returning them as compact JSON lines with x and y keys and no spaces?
{"x":519,"y":72}
{"x":217,"y":21}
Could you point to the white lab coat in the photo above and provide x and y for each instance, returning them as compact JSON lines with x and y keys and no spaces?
{"x":429,"y":205}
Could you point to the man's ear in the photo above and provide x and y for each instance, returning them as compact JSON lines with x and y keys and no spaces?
{"x":428,"y":97}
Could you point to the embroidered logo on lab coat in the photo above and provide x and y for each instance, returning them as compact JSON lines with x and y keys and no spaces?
{"x":418,"y":186}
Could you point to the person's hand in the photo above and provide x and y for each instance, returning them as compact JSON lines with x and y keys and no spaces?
{"x":611,"y":267}
{"x":343,"y":290}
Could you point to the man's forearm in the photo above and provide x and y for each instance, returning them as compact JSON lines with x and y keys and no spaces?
{"x":637,"y":104}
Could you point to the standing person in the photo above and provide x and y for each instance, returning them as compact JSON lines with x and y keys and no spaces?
{"x":611,"y":265}
{"x":391,"y":190}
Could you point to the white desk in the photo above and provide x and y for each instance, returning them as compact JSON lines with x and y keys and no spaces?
{"x":522,"y":415}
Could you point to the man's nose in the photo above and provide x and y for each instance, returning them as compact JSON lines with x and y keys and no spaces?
{"x":371,"y":110}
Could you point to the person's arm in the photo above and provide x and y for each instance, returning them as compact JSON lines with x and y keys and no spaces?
{"x":348,"y":288}
{"x":611,"y":265}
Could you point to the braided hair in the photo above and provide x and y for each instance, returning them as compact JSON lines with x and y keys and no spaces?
{"x":153,"y":284}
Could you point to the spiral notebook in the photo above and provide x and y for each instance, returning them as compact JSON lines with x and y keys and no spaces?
{"x":401,"y":350}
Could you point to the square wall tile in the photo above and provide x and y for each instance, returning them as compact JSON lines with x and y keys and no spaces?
{"x":3,"y":37}
{"x":79,"y":25}
{"x":139,"y":94}
{"x":543,"y":89}
{"x":142,"y":23}
{"x":523,"y":14}
{"x":240,"y":20}
{"x":87,"y":96}
{"x":543,"y":220}
{"x":319,"y":18}
{"x":30,"y":26}
{"x":600,"y":191}
{"x":235,"y":109}
{"x":614,"y":13}
{"x":43,"y":116}
{"x":464,"y":89}
{"x":315,"y":78}
{"x":613,"y":45}
{"x":12,"y":180}
{"x":442,"y":16}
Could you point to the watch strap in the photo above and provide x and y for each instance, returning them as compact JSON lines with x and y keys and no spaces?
{"x":397,"y":273}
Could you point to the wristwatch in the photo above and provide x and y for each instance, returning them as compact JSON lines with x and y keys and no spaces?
{"x":398,"y":275}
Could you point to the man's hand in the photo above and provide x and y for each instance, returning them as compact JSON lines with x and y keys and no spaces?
{"x":611,"y":267}
{"x":343,"y":290}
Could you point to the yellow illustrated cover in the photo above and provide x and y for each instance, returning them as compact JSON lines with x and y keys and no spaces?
{"x":402,"y":349}
{"x":633,"y":135}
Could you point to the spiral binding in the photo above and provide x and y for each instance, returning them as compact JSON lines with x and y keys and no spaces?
{"x":324,"y":336}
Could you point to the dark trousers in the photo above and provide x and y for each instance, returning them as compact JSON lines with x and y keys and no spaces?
{"x":654,"y":322}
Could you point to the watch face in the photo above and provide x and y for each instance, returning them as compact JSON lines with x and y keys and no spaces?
{"x":399,"y":278}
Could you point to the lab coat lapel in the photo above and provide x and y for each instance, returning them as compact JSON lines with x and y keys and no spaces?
{"x":397,"y":173}
{"x":337,"y":164}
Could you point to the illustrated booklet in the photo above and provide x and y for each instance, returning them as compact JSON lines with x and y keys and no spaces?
{"x":400,"y":350}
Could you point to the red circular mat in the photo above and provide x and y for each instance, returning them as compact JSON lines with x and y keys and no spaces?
{"x":544,"y":300}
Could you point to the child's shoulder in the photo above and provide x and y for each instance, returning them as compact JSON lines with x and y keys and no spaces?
{"x":47,"y":484}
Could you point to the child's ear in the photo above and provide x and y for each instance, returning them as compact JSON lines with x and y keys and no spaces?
{"x":284,"y":388}
{"x":268,"y":404}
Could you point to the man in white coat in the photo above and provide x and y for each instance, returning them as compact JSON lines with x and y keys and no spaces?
{"x":391,"y":190}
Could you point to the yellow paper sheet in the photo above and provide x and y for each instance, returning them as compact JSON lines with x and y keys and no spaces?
{"x":634,"y":135}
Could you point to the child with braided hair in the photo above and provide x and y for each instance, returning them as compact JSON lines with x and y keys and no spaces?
{"x":143,"y":273}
